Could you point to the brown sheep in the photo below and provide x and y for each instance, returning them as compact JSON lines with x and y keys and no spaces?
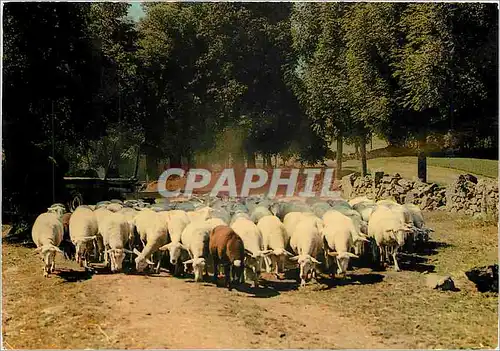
{"x":65,"y":222}
{"x":227,"y":248}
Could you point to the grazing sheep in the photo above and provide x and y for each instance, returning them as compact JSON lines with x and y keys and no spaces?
{"x":83,"y":230}
{"x":259,"y":212}
{"x":101,"y":214}
{"x":389,"y":229}
{"x":153,"y":232}
{"x":293,"y":218}
{"x":47,"y":234}
{"x":281,"y":209}
{"x":129,"y":214}
{"x":195,"y":239}
{"x":421,"y":233}
{"x":340,"y":235}
{"x":275,"y":238}
{"x":115,"y":233}
{"x":114,"y":207}
{"x":320,"y":208}
{"x":306,"y":243}
{"x":176,"y":225}
{"x":227,"y":248}
{"x":365,"y":209}
{"x":239,"y":215}
{"x":252,"y":239}
{"x":360,"y":199}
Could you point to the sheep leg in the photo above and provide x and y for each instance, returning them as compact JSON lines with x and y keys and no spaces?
{"x":396,"y":266}
{"x":227,"y":277}
{"x":268,"y":262}
{"x":216,"y":269}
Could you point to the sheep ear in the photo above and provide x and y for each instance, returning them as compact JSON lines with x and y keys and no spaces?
{"x":38,"y":249}
{"x":333,"y":253}
{"x":56,"y":249}
{"x":361,"y":239}
{"x":267,"y":252}
{"x":137,"y":252}
{"x":350,"y":254}
{"x":315,"y":260}
{"x":183,"y":247}
{"x":164,"y":247}
{"x":188,"y":262}
{"x":248,"y":253}
{"x":149,"y":262}
{"x":288,"y":253}
{"x":294,"y":258}
{"x":128,"y":251}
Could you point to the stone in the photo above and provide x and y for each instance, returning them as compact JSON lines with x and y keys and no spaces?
{"x":485,"y":278}
{"x":470,"y":178}
{"x":444,"y":283}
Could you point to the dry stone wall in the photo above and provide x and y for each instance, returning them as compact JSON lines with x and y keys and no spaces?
{"x":466,"y":195}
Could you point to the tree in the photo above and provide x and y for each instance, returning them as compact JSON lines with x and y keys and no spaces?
{"x":322,"y":71}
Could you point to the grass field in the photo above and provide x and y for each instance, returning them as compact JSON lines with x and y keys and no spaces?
{"x":369,"y":309}
{"x":439,"y":170}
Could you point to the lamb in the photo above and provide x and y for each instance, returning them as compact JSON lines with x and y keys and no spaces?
{"x":153,"y":231}
{"x":274,"y":237}
{"x":227,"y":248}
{"x":306,"y":242}
{"x":389,"y":229}
{"x":83,"y":231}
{"x":252,"y":239}
{"x":115,"y":233}
{"x":340,"y":234}
{"x":47,"y":234}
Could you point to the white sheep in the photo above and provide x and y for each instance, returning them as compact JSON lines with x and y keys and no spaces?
{"x":47,"y":234}
{"x":421,"y":233}
{"x":83,"y":230}
{"x":259,"y":212}
{"x":130,"y":215}
{"x":275,"y":238}
{"x":101,"y":214}
{"x":291,"y":220}
{"x":115,"y":233}
{"x":389,"y":229}
{"x":195,"y":238}
{"x":360,"y":199}
{"x":239,"y":215}
{"x":176,"y":224}
{"x":306,"y":243}
{"x":114,"y":207}
{"x":340,"y":235}
{"x":254,"y":247}
{"x":153,"y":231}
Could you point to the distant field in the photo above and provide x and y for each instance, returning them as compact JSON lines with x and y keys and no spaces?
{"x":439,"y":170}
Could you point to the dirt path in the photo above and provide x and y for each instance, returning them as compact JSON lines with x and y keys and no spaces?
{"x":164,"y":312}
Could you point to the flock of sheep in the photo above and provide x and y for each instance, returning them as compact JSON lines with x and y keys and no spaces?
{"x":243,"y":236}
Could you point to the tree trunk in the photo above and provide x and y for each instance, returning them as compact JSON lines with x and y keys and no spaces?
{"x":175,"y":161}
{"x":250,"y":160}
{"x":268,"y":161}
{"x":364,"y":170}
{"x":356,"y":148}
{"x":137,"y":159}
{"x":338,"y":173}
{"x":422,"y":158}
{"x":371,"y":142}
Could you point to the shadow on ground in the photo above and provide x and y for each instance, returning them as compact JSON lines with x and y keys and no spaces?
{"x":72,"y":276}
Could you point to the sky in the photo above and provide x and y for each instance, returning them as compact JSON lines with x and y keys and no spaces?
{"x":135,"y":11}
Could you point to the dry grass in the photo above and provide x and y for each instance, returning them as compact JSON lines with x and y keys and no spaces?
{"x":401,"y":305}
{"x":438,"y":170}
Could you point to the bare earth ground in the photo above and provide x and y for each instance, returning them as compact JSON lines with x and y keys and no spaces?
{"x":368,"y":310}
